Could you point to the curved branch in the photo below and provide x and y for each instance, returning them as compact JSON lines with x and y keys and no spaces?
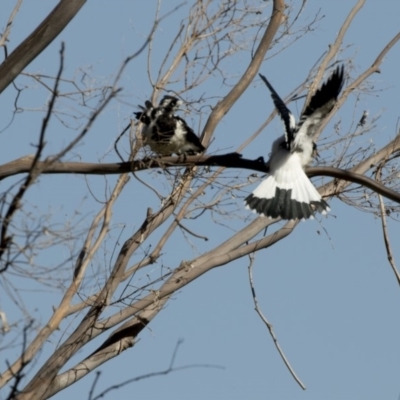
{"x":365,"y":165}
{"x":230,"y":160}
{"x":224,"y":105}
{"x":269,"y":325}
{"x":351,"y":176}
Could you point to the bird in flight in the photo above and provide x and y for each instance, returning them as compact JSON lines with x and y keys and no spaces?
{"x":287,"y":192}
{"x":165,"y":132}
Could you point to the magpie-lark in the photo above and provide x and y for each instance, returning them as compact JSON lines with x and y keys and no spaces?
{"x":287,"y":192}
{"x":165,"y":132}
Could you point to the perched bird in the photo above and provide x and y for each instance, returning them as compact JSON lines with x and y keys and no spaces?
{"x":287,"y":192}
{"x":165,"y":132}
{"x":363,"y":118}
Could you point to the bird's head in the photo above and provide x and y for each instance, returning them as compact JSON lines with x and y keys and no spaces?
{"x":170,"y":104}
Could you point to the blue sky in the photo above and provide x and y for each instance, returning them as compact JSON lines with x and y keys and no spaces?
{"x":327,"y":289}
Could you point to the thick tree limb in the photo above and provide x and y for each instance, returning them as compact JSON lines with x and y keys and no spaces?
{"x":224,"y":105}
{"x":120,"y":340}
{"x":349,"y":176}
{"x":188,"y":271}
{"x":47,"y":382}
{"x":89,"y":327}
{"x":38,"y":40}
{"x":230,"y":160}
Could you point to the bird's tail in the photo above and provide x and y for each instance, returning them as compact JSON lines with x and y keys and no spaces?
{"x":293,"y":197}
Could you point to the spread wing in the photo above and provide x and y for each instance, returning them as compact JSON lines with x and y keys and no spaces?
{"x":321,"y":104}
{"x":285,"y":114}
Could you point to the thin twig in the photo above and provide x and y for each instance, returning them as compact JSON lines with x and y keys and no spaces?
{"x":385,"y":230}
{"x":5,"y":34}
{"x":269,"y":325}
{"x":35,"y":168}
{"x":19,"y":374}
{"x":333,"y":50}
{"x":191,"y":232}
{"x":96,"y":379}
{"x":168,"y":370}
{"x":117,"y":140}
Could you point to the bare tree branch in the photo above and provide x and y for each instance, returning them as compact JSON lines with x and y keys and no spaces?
{"x":121,"y":266}
{"x":40,"y":38}
{"x":269,"y":325}
{"x":385,"y":230}
{"x":6,"y":33}
{"x":230,"y":160}
{"x":34,"y":171}
{"x":120,"y":340}
{"x":171,"y":368}
{"x":224,"y":106}
{"x":333,"y":51}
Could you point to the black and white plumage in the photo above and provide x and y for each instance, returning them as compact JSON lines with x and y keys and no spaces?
{"x":287,"y":192}
{"x":165,"y":132}
{"x":363,"y":118}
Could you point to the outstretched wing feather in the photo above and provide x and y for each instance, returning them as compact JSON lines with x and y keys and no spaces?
{"x":285,"y":114}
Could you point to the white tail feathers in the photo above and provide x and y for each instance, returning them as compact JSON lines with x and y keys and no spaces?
{"x":288,"y":194}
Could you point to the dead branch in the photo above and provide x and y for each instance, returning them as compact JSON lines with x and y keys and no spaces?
{"x":140,"y":302}
{"x":120,"y":340}
{"x":34,"y":170}
{"x":269,"y":325}
{"x":6,"y":33}
{"x":39,"y":39}
{"x":224,"y":105}
{"x":171,"y":368}
{"x":86,"y":331}
{"x":333,"y":50}
{"x":385,"y":232}
{"x":230,"y":160}
{"x":374,"y":68}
